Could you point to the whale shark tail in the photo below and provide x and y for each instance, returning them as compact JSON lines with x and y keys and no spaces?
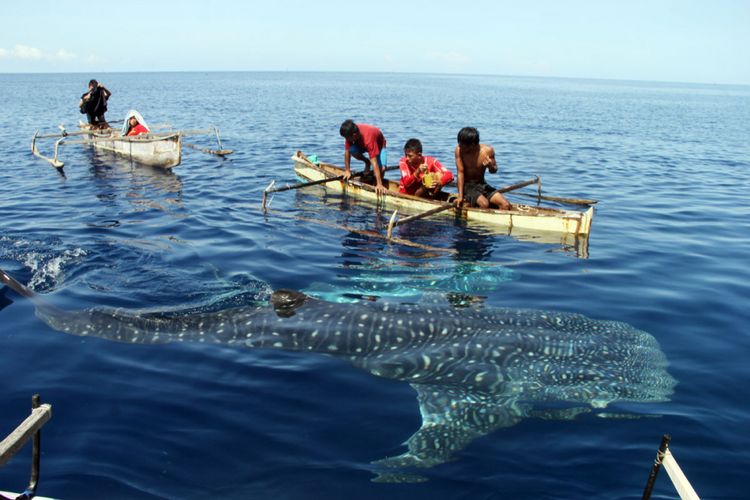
{"x":17,"y":287}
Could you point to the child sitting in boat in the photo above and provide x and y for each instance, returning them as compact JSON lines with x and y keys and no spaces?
{"x":422,"y":176}
{"x":472,"y":159}
{"x":134,"y":124}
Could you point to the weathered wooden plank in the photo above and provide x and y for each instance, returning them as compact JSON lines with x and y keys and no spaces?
{"x":16,"y":439}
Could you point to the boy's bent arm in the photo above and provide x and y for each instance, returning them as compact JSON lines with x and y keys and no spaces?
{"x":460,"y":174}
{"x":347,"y":164}
{"x":490,"y":162}
{"x":378,"y":175}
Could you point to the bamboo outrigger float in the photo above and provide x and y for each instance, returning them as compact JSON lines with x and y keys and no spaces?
{"x":161,"y":149}
{"x":523,"y":218}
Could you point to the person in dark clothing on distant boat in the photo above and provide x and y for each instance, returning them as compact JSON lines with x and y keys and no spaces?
{"x":94,"y":104}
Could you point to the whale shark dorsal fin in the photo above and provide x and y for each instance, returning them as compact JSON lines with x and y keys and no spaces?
{"x":451,"y":300}
{"x":285,"y":302}
{"x":434,"y":299}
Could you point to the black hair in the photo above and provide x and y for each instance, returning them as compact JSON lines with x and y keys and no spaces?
{"x":348,"y":128}
{"x":93,"y":82}
{"x":468,"y":136}
{"x":413,"y":145}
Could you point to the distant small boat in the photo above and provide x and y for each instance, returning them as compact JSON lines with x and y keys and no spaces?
{"x":523,"y":218}
{"x":162,"y":149}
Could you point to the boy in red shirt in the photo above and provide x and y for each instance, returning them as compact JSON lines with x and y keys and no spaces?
{"x":422,"y":176}
{"x":360,"y":139}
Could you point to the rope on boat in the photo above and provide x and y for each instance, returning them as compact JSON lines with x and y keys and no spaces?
{"x":679,"y":481}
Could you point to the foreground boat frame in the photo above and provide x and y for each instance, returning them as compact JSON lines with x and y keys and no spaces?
{"x":30,"y":428}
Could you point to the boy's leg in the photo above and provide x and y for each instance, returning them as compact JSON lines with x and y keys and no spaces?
{"x":359,"y":154}
{"x":499,"y":201}
{"x":482,"y":202}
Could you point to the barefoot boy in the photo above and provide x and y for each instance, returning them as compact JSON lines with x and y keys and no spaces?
{"x":421,"y":175}
{"x":472,"y":159}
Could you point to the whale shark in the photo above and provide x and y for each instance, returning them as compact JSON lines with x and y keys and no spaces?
{"x":474,"y":369}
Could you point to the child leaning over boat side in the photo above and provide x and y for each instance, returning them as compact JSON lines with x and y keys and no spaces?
{"x":422,"y":176}
{"x":361,"y":138}
{"x":472,"y":159}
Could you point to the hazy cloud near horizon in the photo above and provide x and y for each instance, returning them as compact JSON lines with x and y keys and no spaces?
{"x":667,"y":40}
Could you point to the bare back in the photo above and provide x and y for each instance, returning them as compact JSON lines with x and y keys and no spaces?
{"x":474,"y":160}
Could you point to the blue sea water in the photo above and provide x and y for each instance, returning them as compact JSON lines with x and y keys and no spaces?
{"x":668,"y":254}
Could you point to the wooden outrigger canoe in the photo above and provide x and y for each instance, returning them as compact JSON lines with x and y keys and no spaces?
{"x":522,"y":218}
{"x":155,"y":149}
{"x":162,"y":150}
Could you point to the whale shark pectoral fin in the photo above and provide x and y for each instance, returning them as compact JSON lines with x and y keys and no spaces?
{"x":451,"y":419}
{"x":285,"y":302}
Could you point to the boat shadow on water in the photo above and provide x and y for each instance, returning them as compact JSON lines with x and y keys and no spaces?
{"x":370,"y":269}
{"x":142,"y":186}
{"x":475,"y":369}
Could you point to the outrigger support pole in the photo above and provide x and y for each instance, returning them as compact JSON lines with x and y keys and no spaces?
{"x":53,"y":161}
{"x":394,"y":223}
{"x":265,"y":194}
{"x":218,"y":140}
{"x":218,"y":152}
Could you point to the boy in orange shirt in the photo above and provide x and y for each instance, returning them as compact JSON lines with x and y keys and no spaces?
{"x":422,"y":176}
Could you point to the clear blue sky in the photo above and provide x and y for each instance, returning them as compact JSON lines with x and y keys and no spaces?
{"x":704,"y":41}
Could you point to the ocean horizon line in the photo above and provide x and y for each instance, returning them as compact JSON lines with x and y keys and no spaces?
{"x":405,"y":73}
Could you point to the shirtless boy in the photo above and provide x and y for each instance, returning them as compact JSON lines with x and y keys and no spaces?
{"x":472,"y":159}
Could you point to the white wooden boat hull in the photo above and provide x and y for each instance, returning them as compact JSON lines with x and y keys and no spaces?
{"x":534,"y":220}
{"x":161,"y":152}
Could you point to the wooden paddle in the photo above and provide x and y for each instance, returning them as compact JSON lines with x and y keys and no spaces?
{"x":571,"y":201}
{"x":299,"y":155}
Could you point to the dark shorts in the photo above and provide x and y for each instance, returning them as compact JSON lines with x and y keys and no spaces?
{"x":473,"y":190}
